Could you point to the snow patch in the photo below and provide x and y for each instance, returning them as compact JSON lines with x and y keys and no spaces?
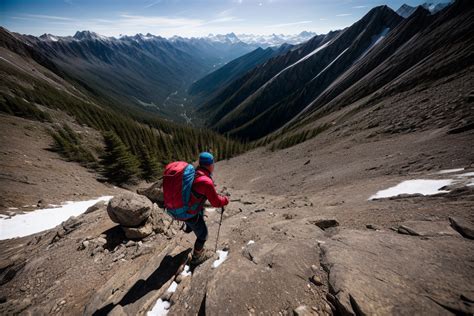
{"x":421,"y":186}
{"x":160,"y":308}
{"x":186,"y":271}
{"x":375,"y":40}
{"x":450,"y":171}
{"x":250,"y":242}
{"x":43,"y":219}
{"x":302,"y":59}
{"x":173,"y":287}
{"x":222,"y":256}
{"x":330,"y":64}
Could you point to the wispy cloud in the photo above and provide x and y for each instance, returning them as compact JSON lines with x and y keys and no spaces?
{"x":359,"y":7}
{"x":159,"y":21}
{"x":288,"y":24}
{"x":344,"y":14}
{"x":47,"y":17}
{"x":151,"y":4}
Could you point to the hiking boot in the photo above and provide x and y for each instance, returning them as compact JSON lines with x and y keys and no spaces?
{"x":197,"y":259}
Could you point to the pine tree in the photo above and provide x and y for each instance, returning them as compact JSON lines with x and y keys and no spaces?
{"x":149,"y":165}
{"x":120,"y":166}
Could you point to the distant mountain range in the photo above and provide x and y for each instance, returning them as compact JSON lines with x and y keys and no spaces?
{"x":147,"y":71}
{"x":265,"y":40}
{"x":406,"y":10}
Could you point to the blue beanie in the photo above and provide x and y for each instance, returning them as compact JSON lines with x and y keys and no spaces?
{"x":206,"y":158}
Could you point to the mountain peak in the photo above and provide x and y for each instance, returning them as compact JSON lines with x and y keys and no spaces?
{"x":88,"y":35}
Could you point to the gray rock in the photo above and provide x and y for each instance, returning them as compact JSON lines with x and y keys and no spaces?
{"x":463,"y":227}
{"x":138,"y":232}
{"x":129,"y":209}
{"x":378,"y":273}
{"x":130,"y":243}
{"x":303,"y":310}
{"x":373,"y":227}
{"x":97,"y":206}
{"x":71,"y":224}
{"x":426,"y":228}
{"x":154,"y":193}
{"x":117,"y":311}
{"x":316,"y":280}
{"x":101,"y":241}
{"x":325,"y":223}
{"x":166,"y":296}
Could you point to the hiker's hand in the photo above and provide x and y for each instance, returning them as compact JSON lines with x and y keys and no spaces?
{"x":226,"y":201}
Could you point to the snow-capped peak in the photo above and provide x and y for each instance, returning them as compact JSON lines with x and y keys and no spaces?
{"x":83,"y":35}
{"x":49,"y":37}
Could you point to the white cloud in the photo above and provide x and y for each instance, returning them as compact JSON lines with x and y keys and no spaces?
{"x":359,"y":7}
{"x":158,"y":21}
{"x":151,"y":4}
{"x":288,"y":24}
{"x":48,"y":17}
{"x":344,"y":14}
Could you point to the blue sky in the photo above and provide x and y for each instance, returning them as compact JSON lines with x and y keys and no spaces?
{"x":184,"y":17}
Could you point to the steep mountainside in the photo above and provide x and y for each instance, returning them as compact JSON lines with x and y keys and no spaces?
{"x":370,"y":55}
{"x":310,"y":75}
{"x":218,"y":80}
{"x":244,"y":86}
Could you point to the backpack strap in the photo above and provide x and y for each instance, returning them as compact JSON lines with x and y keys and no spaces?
{"x":198,"y":195}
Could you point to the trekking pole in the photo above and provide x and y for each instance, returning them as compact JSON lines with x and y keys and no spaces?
{"x":219,"y":229}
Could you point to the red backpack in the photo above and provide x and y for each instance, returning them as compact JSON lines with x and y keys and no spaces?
{"x":178,"y":179}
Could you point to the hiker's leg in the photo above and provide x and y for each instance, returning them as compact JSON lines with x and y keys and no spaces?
{"x":200,"y":229}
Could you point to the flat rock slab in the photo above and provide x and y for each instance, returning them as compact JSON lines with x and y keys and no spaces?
{"x":427,"y":228}
{"x":382,"y":273}
{"x":465,"y":228}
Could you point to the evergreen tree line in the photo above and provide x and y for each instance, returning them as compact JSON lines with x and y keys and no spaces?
{"x":146,"y":139}
{"x":69,"y":145}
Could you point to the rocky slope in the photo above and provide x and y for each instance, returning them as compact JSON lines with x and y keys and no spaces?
{"x":300,"y":228}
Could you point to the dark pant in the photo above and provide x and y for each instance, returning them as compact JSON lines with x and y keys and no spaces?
{"x":198,"y":226}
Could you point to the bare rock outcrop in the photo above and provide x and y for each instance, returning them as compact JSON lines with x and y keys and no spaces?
{"x":137,"y":215}
{"x":129,"y":209}
{"x":154,"y":193}
{"x":380,"y":273}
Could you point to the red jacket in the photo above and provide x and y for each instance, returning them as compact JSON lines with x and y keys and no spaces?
{"x":204,"y":186}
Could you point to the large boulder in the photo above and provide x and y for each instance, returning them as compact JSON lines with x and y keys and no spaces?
{"x":129,"y":209}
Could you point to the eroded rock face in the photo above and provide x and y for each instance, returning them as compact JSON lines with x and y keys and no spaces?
{"x":465,"y":228}
{"x":129,"y":209}
{"x":380,"y":273}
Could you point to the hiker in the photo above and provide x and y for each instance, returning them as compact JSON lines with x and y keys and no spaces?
{"x":185,"y":191}
{"x":203,"y":189}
